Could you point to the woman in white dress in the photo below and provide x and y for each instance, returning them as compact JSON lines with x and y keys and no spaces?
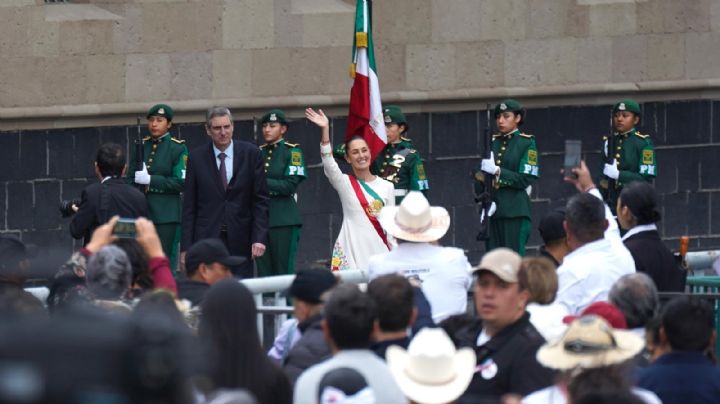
{"x":362,"y":196}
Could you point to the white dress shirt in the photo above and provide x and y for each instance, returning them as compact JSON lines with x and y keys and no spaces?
{"x":639,"y":229}
{"x":228,"y":160}
{"x":553,"y":395}
{"x":587,"y":274}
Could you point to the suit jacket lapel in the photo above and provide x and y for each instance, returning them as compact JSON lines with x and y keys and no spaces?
{"x":236,"y":162}
{"x":213,"y":169}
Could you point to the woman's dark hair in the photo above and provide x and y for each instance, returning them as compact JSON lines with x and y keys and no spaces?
{"x":352,"y":139}
{"x":607,"y":384}
{"x":159,"y":305}
{"x":139,"y":261}
{"x":688,"y":323}
{"x":236,"y":359}
{"x":641,"y":199}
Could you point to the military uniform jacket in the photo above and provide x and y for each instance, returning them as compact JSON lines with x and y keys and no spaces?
{"x":517,"y":156}
{"x":165,"y":159}
{"x":284,"y":171}
{"x":401,"y":164}
{"x":635,"y":157}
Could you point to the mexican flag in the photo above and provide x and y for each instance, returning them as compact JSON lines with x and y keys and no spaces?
{"x":365,"y":117}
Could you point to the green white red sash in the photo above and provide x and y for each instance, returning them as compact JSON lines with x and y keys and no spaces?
{"x":370,"y":210}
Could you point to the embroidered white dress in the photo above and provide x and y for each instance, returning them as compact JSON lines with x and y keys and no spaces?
{"x":358,"y":240}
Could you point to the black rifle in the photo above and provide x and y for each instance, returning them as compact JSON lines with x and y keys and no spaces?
{"x":484,"y":191}
{"x":139,"y":153}
{"x":611,"y":196}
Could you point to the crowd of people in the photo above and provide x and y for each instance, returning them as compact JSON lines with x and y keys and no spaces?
{"x":115,"y":311}
{"x":580,"y":323}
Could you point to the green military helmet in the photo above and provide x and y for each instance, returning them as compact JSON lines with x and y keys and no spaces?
{"x":393,"y":114}
{"x":627,"y":105}
{"x":509,"y":105}
{"x":162,"y":110}
{"x":274,"y":115}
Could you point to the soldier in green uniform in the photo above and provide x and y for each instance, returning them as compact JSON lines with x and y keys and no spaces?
{"x":162,"y":177}
{"x":634,"y":153}
{"x":514,"y":163}
{"x":284,"y":171}
{"x":399,"y":162}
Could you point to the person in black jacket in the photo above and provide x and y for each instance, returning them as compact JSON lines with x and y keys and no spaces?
{"x":308,"y":290}
{"x":503,"y":338}
{"x":637,"y":213}
{"x":112,"y":196}
{"x":207,"y":262}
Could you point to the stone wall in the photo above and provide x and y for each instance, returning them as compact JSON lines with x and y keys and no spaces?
{"x":96,"y":59}
{"x":41,"y":167}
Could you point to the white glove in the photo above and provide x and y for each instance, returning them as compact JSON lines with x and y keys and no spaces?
{"x":491,"y":211}
{"x":142,"y":177}
{"x":611,"y":171}
{"x":488,"y":165}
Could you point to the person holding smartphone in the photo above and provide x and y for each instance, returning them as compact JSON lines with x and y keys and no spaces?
{"x":515,"y":165}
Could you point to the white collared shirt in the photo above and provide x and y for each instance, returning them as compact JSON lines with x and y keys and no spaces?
{"x":587,"y":274}
{"x":228,"y":159}
{"x":639,"y":229}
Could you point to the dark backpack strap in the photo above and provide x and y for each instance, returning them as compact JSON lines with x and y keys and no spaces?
{"x":104,"y":206}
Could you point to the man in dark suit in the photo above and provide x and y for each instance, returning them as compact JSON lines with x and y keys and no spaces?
{"x":112,"y":196}
{"x":225,"y":193}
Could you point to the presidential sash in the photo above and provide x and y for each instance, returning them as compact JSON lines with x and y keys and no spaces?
{"x":371,"y":209}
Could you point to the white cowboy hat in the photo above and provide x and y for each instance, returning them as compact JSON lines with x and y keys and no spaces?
{"x":415,"y":219}
{"x":590,"y":342}
{"x":431,"y":370}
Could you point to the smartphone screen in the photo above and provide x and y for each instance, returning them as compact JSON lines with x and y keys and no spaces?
{"x":573,"y":155}
{"x":124,"y":228}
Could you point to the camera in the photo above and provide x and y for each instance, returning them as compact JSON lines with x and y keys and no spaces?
{"x":66,"y":209}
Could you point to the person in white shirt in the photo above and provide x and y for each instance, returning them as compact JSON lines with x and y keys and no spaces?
{"x":443,"y":271}
{"x":598,"y":257}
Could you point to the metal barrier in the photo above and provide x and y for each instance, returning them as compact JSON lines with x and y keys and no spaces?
{"x":695,"y":261}
{"x":701,"y":260}
{"x":708,"y":288}
{"x":274,"y":286}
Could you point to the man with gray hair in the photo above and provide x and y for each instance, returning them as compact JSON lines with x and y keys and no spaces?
{"x":225,"y":193}
{"x":637,"y":298}
{"x":108,"y":277}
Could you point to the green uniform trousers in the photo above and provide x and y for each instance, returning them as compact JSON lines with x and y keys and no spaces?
{"x":169,"y":234}
{"x":279,"y":257}
{"x":512,"y":233}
